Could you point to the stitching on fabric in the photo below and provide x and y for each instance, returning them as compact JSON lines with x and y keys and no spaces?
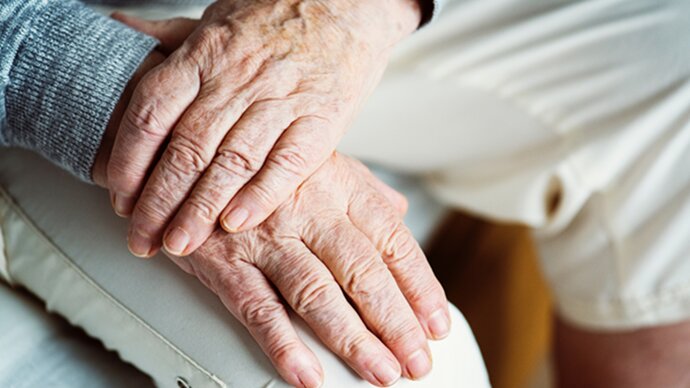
{"x":667,"y":306}
{"x":663,"y":297}
{"x":19,"y":212}
{"x":615,"y":245}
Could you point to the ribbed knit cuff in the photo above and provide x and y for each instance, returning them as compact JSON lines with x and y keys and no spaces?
{"x":67,"y":77}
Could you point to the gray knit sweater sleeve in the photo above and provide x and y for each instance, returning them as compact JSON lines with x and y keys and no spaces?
{"x":63,"y":68}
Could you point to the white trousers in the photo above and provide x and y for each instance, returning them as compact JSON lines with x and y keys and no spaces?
{"x":568,"y":116}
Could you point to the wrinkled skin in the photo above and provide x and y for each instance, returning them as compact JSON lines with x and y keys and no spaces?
{"x":340,"y":234}
{"x":252,"y":103}
{"x":337,"y":236}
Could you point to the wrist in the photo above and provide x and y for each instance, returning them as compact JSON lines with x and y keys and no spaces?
{"x":386,"y":21}
{"x":99,"y":169}
{"x":402,"y":17}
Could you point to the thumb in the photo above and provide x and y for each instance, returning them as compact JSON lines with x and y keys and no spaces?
{"x":170,"y":32}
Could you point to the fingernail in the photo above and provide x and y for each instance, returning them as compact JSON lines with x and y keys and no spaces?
{"x":418,"y":365}
{"x":310,"y":378}
{"x":439,"y":324}
{"x":176,"y":241}
{"x":139,"y":245}
{"x":122,"y":205}
{"x":386,"y":372}
{"x":234,"y":220}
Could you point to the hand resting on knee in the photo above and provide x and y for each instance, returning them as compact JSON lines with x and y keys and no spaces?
{"x":340,"y":255}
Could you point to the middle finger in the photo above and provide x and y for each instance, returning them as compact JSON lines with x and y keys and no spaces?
{"x":310,"y":289}
{"x":239,"y":157}
{"x":191,"y":149}
{"x":360,"y":270}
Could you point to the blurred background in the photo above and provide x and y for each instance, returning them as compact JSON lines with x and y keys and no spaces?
{"x":490,"y":272}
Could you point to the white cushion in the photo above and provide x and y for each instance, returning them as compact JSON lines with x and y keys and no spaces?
{"x":63,"y":242}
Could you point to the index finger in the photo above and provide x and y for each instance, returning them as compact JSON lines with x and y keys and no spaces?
{"x":261,"y":311}
{"x":156,"y":105}
{"x":302,"y":148}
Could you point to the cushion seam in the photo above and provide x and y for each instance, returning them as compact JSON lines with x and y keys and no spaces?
{"x":111,"y":300}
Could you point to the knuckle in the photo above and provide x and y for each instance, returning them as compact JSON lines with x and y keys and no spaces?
{"x":214,"y":38}
{"x":259,"y":313}
{"x":142,"y":117}
{"x":155,"y":204}
{"x":161,"y":194}
{"x":315,"y":296}
{"x":427,"y":293}
{"x":398,"y":245}
{"x":151,"y":212}
{"x":204,"y":209}
{"x":238,"y":163}
{"x":264,"y":110}
{"x":280,"y":350}
{"x":290,"y":161}
{"x":354,"y":345}
{"x":402,"y":332}
{"x":186,"y":157}
{"x":366,"y":278}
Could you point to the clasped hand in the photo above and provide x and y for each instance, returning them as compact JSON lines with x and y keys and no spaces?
{"x":243,"y":110}
{"x":240,"y":121}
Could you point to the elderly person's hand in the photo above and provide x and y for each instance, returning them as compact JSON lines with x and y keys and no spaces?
{"x":249,"y":106}
{"x":339,"y":254}
{"x":339,"y":236}
{"x":337,"y":229}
